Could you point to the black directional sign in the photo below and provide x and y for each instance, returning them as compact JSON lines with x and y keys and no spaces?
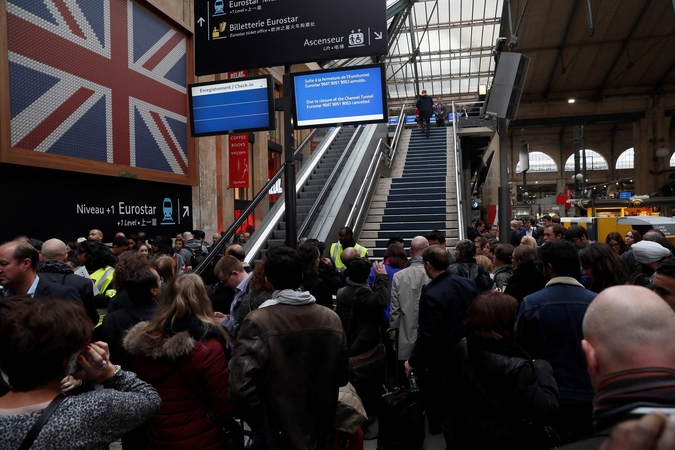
{"x":245,"y":34}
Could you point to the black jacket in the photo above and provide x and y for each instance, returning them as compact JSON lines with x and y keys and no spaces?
{"x":115,"y":327}
{"x":61,"y":273}
{"x":364,"y":332}
{"x":315,"y":286}
{"x":443,"y":307}
{"x":525,"y":280}
{"x":500,"y":397}
{"x":425,"y":105}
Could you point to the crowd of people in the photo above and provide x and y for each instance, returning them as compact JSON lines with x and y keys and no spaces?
{"x":549,"y":339}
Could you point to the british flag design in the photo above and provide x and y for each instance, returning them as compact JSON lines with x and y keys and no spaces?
{"x":100,"y":80}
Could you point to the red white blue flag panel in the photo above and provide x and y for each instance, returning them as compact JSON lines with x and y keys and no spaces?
{"x":100,"y":80}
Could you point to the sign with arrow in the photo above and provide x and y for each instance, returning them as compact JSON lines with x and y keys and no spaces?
{"x":247,"y":34}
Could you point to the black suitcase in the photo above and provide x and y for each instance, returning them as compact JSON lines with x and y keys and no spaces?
{"x":401,"y":421}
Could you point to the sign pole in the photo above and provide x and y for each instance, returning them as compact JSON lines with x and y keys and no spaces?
{"x":289,"y":168}
{"x":504,"y":193}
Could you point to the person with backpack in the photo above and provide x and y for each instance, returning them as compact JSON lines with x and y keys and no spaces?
{"x":466,"y":266}
{"x":194,"y":251}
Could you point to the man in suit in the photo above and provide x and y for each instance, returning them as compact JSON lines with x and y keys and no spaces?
{"x":18,"y":274}
{"x":54,"y":269}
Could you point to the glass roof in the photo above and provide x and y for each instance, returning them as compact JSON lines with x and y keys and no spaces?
{"x":454,"y":39}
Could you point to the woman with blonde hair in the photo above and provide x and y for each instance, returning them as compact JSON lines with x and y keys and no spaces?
{"x":164,"y":267}
{"x":528,"y":241}
{"x":182,"y":353}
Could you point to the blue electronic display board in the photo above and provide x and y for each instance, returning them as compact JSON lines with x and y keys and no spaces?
{"x":231,"y":106}
{"x":352,"y":95}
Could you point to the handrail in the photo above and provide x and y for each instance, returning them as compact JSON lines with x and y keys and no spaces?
{"x":367,"y":184}
{"x":329,"y":182}
{"x":215,"y":250}
{"x":270,"y":221}
{"x":389,"y":158}
{"x":458,"y":172}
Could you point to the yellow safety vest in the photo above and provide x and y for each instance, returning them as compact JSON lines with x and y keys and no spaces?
{"x":336,"y":251}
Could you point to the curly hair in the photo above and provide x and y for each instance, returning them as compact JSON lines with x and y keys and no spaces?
{"x":127,"y":263}
{"x":98,"y":255}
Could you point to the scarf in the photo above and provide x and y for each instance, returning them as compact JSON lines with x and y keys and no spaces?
{"x":289,"y":297}
{"x":621,"y":392}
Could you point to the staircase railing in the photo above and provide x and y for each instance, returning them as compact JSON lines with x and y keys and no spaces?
{"x":264,"y":191}
{"x":330,"y":182}
{"x":458,"y":177}
{"x":386,"y":153}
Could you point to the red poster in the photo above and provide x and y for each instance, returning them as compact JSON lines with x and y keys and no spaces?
{"x":238,"y":151}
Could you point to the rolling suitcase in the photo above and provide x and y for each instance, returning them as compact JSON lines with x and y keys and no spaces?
{"x":401,"y":419}
{"x":344,"y":441}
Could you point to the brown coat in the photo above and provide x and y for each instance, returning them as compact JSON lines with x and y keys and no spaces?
{"x":288,"y":364}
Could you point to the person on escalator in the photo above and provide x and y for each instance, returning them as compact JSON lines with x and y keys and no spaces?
{"x":426,"y":107}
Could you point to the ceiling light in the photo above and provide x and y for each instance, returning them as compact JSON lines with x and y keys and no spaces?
{"x":570,"y":100}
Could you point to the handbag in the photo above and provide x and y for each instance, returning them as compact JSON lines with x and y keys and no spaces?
{"x":42,"y":420}
{"x":350,"y":414}
{"x":368,"y":365}
{"x":233,"y":431}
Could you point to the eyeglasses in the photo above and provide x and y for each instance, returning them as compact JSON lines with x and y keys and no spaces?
{"x":615,"y":245}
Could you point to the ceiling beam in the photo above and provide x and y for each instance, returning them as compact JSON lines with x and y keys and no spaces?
{"x":558,"y":58}
{"x":444,"y":55}
{"x":465,"y":24}
{"x":577,"y":120}
{"x":398,"y":7}
{"x":433,"y":78}
{"x":626,"y":41}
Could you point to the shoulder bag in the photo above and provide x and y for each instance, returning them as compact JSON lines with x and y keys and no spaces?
{"x":42,"y":420}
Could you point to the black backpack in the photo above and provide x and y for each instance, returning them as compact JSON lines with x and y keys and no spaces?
{"x":474,"y":272}
{"x":196,"y":256}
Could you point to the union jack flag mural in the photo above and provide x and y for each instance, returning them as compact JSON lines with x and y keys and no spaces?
{"x":100,"y":80}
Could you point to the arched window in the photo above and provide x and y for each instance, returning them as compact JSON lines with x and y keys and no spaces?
{"x":672,"y":160}
{"x":540,"y":162}
{"x":626,"y":159}
{"x":594,"y":161}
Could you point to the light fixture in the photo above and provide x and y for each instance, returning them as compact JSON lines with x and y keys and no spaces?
{"x":570,"y":100}
{"x":579,"y":176}
{"x":662,"y":152}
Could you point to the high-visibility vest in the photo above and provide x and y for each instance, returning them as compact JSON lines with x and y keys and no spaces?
{"x":336,"y":251}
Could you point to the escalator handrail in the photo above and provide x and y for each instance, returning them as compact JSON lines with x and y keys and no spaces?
{"x":457,"y":174}
{"x":216,"y":250}
{"x":329,"y":182}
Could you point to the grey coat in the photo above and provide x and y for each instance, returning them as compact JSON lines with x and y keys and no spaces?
{"x":405,"y":305}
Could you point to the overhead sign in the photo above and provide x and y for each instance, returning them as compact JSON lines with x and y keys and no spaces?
{"x":66,"y":205}
{"x":243,"y":34}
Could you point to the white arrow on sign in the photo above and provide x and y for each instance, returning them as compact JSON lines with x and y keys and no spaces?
{"x":186,"y":211}
{"x":201,"y":21}
{"x":378,"y":35}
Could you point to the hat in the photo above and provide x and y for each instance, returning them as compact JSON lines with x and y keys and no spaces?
{"x":647,"y":252}
{"x":161,"y":241}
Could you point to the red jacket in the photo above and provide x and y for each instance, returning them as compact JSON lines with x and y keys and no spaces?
{"x":180,"y":422}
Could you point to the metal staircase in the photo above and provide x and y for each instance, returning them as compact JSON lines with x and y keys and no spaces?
{"x":420,"y":195}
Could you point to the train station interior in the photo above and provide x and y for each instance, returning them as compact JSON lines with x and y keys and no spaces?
{"x":600,"y":80}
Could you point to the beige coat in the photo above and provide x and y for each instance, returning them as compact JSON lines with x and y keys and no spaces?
{"x":405,"y":305}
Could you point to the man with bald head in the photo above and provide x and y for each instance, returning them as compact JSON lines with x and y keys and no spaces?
{"x":238,"y":252}
{"x":53,"y":268}
{"x":405,"y":298}
{"x":95,"y":235}
{"x":629,"y":344}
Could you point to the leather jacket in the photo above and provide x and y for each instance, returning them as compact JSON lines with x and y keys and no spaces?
{"x":288,"y":364}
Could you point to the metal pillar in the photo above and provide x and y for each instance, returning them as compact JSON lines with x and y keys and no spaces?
{"x":289,"y":165}
{"x":577,"y":168}
{"x":504,"y":194}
